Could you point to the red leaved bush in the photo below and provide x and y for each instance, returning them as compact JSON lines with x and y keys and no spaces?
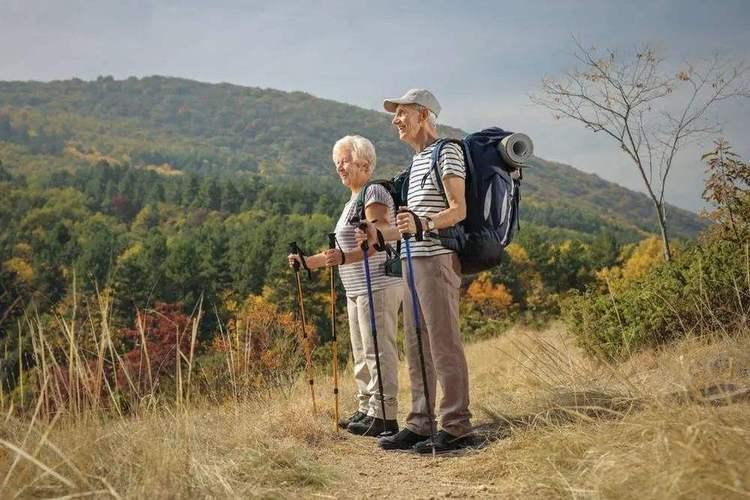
{"x":161,"y":335}
{"x":261,"y":346}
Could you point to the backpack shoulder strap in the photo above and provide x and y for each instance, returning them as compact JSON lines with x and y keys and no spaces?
{"x":359,"y":203}
{"x":435,"y":161}
{"x":362,"y":195}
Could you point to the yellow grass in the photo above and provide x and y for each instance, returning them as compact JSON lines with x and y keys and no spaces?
{"x":562,"y":426}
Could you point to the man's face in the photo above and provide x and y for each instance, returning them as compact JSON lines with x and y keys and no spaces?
{"x":408,"y":121}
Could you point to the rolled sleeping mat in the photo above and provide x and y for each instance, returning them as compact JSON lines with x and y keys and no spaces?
{"x":517,"y":150}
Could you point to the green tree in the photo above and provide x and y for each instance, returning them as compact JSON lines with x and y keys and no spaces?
{"x":231,"y":201}
{"x":98,"y":241}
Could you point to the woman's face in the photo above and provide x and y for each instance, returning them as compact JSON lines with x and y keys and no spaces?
{"x":353,"y":174}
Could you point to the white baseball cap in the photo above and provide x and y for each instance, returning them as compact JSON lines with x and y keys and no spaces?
{"x":422,"y":97}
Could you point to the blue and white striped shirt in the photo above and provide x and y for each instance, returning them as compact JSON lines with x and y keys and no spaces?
{"x":353,"y":275}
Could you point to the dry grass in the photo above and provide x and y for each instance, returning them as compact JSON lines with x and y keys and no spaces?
{"x":559,"y":425}
{"x":643,"y":429}
{"x":244,"y":450}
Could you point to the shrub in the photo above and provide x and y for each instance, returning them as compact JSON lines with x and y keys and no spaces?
{"x":704,"y":289}
{"x":161,"y":338}
{"x":261,"y":347}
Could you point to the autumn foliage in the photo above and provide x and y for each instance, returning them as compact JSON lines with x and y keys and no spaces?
{"x":487,"y":295}
{"x":261,"y":346}
{"x":161,"y":338}
{"x":705,"y":289}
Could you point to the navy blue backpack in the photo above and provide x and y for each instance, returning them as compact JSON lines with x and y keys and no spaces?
{"x":492,"y":201}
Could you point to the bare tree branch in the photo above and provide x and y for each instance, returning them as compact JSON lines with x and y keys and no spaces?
{"x":649,"y":113}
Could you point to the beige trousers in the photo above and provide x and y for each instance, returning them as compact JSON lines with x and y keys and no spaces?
{"x":386,"y":301}
{"x":437,"y":280}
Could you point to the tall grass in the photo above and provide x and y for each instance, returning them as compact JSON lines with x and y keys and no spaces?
{"x":666,"y":423}
{"x":84,"y":376}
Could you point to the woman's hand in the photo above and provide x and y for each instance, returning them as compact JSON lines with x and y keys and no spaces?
{"x":333,"y":257}
{"x":369,"y":234}
{"x":294,"y":258}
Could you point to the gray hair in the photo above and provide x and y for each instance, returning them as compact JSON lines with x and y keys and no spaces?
{"x":360,"y":147}
{"x":431,"y":117}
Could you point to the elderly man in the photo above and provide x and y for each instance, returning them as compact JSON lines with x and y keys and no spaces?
{"x":437,"y":272}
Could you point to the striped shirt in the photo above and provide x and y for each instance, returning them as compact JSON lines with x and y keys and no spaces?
{"x":353,"y":275}
{"x":427,"y":200}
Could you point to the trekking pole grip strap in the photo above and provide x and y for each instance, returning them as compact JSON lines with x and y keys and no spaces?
{"x":417,"y":222}
{"x":295,"y":249}
{"x":380,"y":245}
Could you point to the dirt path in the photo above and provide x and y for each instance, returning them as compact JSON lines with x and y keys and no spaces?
{"x":366,"y":471}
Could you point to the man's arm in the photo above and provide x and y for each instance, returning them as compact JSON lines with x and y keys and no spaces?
{"x":455,"y":213}
{"x":456,"y":196}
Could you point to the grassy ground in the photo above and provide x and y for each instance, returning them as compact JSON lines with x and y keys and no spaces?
{"x":558,"y":425}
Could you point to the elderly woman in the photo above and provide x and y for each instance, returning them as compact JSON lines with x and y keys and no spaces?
{"x":354,"y":157}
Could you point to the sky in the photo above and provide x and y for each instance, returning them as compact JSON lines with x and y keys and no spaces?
{"x":482,"y":59}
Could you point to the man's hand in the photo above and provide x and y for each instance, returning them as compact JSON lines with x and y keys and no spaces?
{"x":405,"y":222}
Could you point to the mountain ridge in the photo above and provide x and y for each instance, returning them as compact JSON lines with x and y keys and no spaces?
{"x":221,"y":128}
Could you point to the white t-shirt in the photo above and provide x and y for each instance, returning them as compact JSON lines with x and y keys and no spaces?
{"x":353,"y":275}
{"x":427,"y":200}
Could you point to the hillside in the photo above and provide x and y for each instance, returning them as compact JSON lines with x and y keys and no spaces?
{"x":183,"y":125}
{"x":556,"y":425}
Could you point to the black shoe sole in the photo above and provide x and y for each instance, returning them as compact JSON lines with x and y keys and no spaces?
{"x":373,"y":433}
{"x":395,"y":447}
{"x":459,"y":450}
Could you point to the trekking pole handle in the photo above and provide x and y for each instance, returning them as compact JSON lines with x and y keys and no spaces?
{"x":294,"y":249}
{"x":331,"y":240}
{"x":365,"y":246}
{"x":417,"y":223}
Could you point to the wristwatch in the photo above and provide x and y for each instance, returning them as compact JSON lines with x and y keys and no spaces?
{"x":429,"y":225}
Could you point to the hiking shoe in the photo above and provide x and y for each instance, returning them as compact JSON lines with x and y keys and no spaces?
{"x":355,"y":417}
{"x":371,"y":426}
{"x":404,"y":440}
{"x":445,"y":443}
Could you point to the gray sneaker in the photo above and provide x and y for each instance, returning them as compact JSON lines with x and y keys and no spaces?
{"x":373,"y":427}
{"x":355,"y":417}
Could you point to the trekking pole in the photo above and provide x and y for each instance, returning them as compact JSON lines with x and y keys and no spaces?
{"x":334,"y":343}
{"x":294,"y":249}
{"x":373,"y":326}
{"x":418,"y":331}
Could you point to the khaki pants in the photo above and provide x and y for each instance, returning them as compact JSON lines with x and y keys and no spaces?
{"x":437,"y":281}
{"x":387,"y":302}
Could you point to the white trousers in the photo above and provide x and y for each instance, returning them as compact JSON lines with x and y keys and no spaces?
{"x":386,"y":303}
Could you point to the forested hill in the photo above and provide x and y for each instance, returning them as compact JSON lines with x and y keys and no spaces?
{"x":177,"y":125}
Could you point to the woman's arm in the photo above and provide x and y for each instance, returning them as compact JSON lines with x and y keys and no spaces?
{"x":312,"y":261}
{"x":373,"y":211}
{"x":378,"y":218}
